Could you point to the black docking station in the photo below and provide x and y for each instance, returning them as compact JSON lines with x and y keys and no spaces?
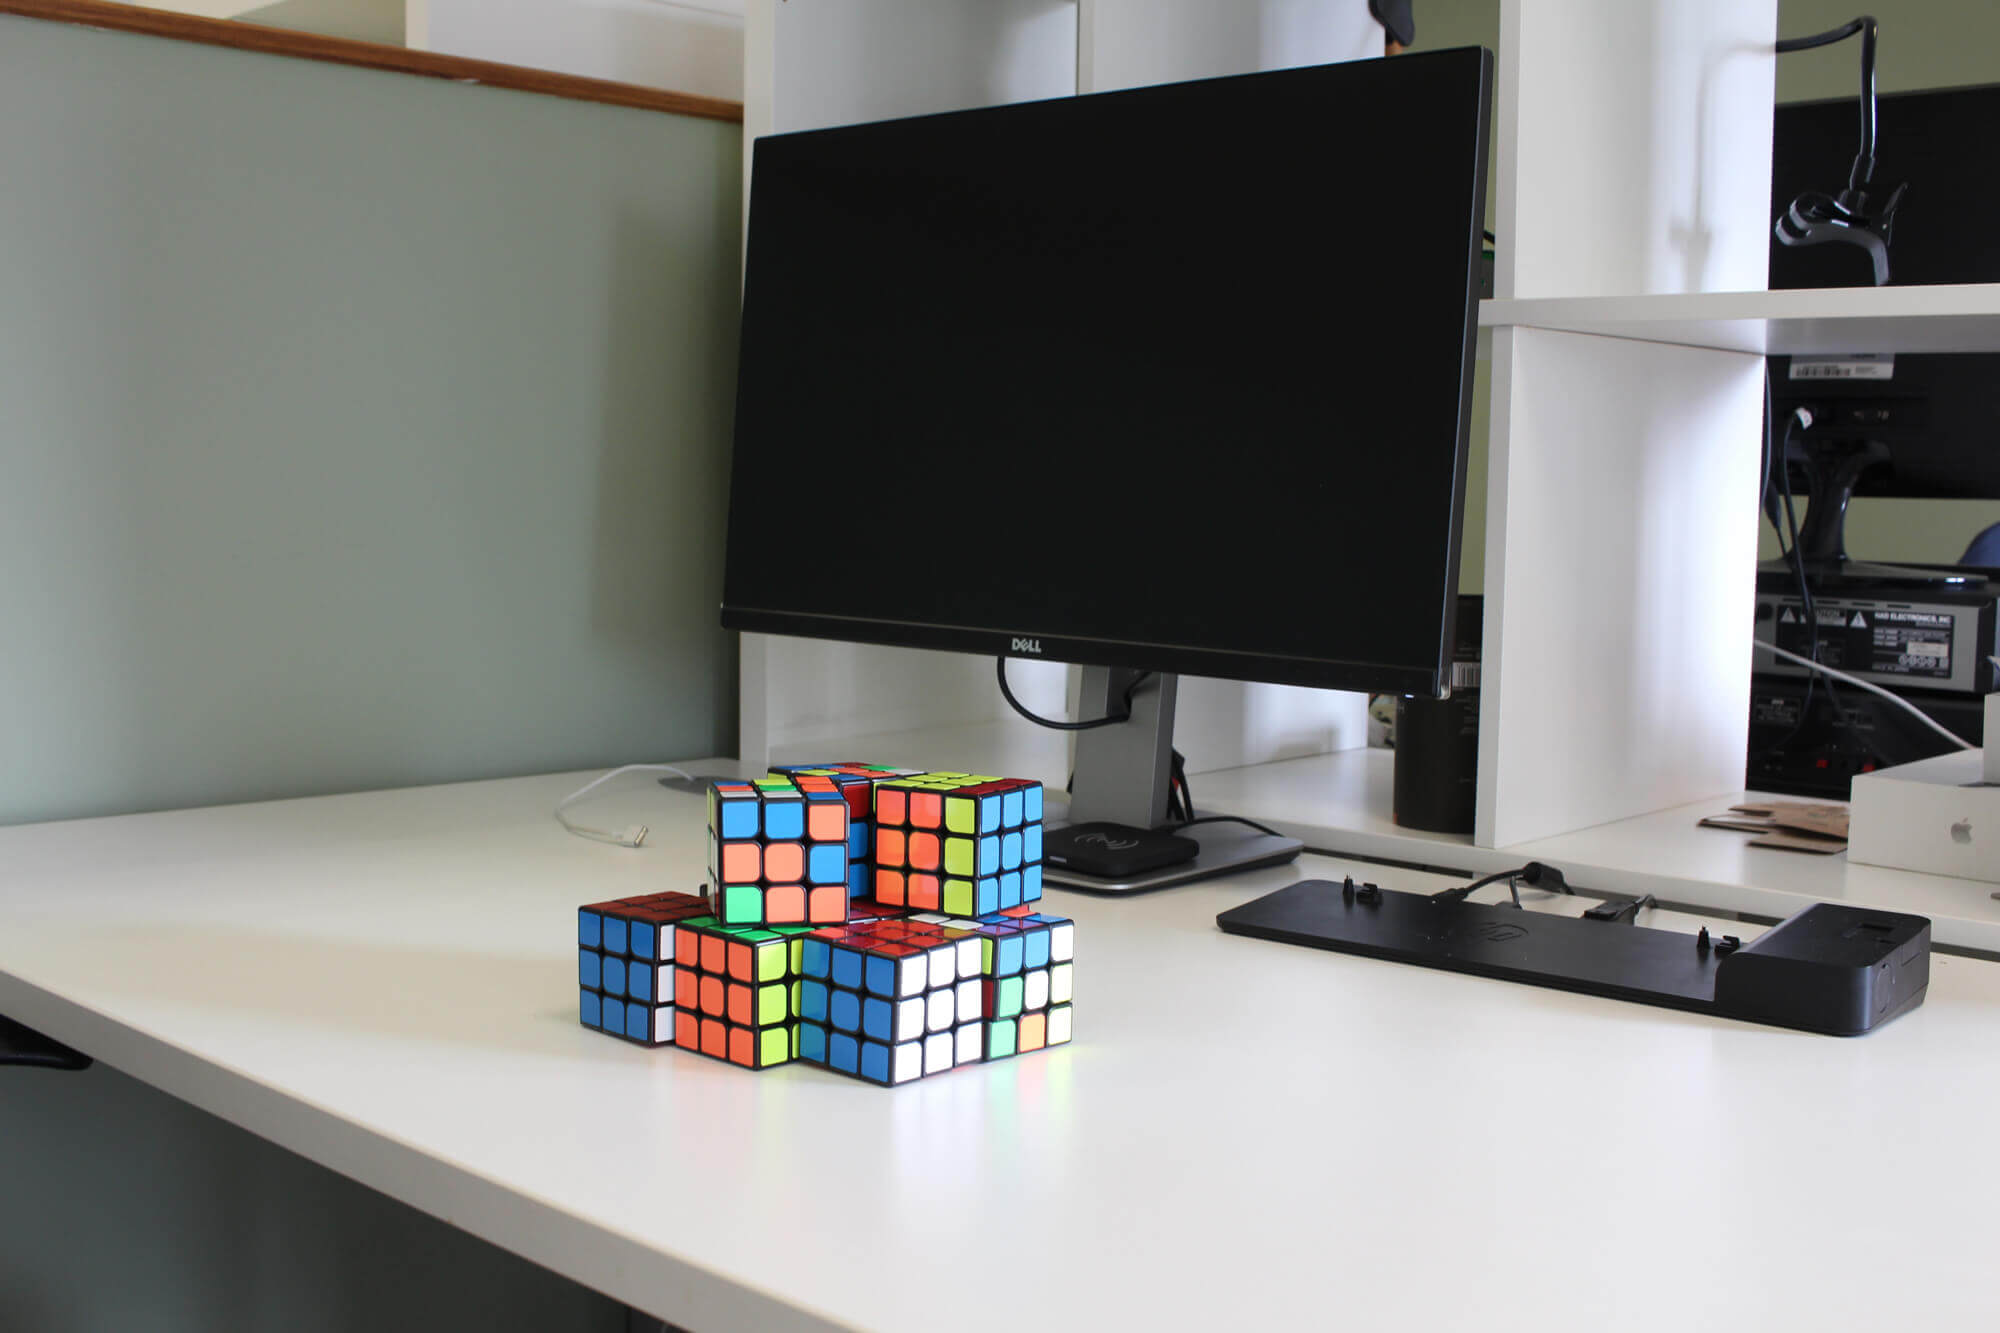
{"x":1829,"y":968}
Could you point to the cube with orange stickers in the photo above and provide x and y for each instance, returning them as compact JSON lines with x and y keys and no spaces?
{"x":958,"y":843}
{"x":734,"y":991}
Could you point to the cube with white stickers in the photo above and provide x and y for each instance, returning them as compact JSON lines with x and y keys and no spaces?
{"x":893,"y":999}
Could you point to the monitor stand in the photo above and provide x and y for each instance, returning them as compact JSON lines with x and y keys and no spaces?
{"x":1123,"y":774}
{"x":1834,"y":469}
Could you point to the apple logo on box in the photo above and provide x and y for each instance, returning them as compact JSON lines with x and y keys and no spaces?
{"x":1961,"y":832}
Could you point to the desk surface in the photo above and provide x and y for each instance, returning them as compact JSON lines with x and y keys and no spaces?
{"x":1341,"y":803}
{"x":1242,"y":1133}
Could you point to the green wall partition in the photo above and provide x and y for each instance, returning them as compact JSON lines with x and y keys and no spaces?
{"x":356,"y":429}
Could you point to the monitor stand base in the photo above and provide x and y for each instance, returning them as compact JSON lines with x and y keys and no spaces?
{"x":1225,"y":850}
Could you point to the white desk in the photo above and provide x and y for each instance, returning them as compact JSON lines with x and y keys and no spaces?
{"x":1244,"y":1134}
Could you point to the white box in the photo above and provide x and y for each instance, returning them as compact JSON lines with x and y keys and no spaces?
{"x":1937,"y":816}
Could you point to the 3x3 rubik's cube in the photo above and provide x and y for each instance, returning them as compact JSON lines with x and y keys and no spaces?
{"x":880,"y":922}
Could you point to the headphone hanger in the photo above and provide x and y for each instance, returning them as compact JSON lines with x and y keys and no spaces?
{"x":1849,"y":217}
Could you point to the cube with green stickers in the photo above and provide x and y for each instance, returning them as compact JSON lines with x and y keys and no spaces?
{"x":1027,"y":971}
{"x":735,"y":989}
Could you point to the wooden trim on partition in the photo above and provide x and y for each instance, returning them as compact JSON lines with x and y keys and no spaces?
{"x":367,"y":55}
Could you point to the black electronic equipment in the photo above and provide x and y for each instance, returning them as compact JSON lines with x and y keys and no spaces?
{"x":1436,"y":785}
{"x":1002,"y":358}
{"x":1815,"y":742}
{"x":1919,"y":426}
{"x":1114,"y":851}
{"x":1941,"y":639}
{"x":1940,"y":141}
{"x":1830,"y":968}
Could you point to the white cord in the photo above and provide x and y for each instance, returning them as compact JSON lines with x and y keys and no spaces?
{"x":632,"y":834}
{"x":1858,"y":683}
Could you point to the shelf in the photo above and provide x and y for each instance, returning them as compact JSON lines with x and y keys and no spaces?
{"x":1963,"y":318}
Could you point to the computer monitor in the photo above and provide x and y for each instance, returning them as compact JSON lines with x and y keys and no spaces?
{"x":1174,"y":379}
{"x":1916,"y":426}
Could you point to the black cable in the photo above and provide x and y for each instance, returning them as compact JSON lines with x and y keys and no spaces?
{"x":1006,"y":692}
{"x":1535,"y":875}
{"x":1842,"y":718}
{"x":1867,"y":27}
{"x":1797,"y":560}
{"x":1224,"y":819}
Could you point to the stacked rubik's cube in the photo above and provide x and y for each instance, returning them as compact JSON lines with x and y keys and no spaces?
{"x":625,"y":964}
{"x":788,"y":956}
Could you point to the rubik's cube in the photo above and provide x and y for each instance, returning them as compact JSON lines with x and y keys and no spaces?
{"x":733,"y":991}
{"x":625,"y":964}
{"x":778,"y":851}
{"x":893,"y":1000}
{"x":958,"y":843}
{"x":856,"y":784}
{"x":1027,"y":981}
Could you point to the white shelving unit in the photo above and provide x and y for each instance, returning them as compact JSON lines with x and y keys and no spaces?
{"x":1632,"y":184}
{"x":1828,"y":322}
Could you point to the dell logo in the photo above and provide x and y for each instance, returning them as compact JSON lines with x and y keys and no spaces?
{"x":1027,"y":646}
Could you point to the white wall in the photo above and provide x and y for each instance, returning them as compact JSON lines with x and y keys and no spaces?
{"x":379,"y":21}
{"x":691,"y":47}
{"x":1132,"y":43}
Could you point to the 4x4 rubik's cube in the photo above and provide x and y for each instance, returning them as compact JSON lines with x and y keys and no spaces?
{"x":787,"y":957}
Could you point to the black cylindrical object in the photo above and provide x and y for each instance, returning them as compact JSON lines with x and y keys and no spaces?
{"x":1437,"y":741}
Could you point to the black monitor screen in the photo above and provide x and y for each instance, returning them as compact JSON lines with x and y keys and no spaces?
{"x":1173,"y":378}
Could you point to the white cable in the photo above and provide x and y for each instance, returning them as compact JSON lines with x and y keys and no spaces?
{"x":1858,"y":683}
{"x":632,"y":834}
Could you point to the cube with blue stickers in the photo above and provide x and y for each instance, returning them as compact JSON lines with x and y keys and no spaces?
{"x":625,"y":964}
{"x":856,"y":783}
{"x":1027,"y":982}
{"x":891,"y":1000}
{"x":778,"y":851}
{"x":958,"y":843}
